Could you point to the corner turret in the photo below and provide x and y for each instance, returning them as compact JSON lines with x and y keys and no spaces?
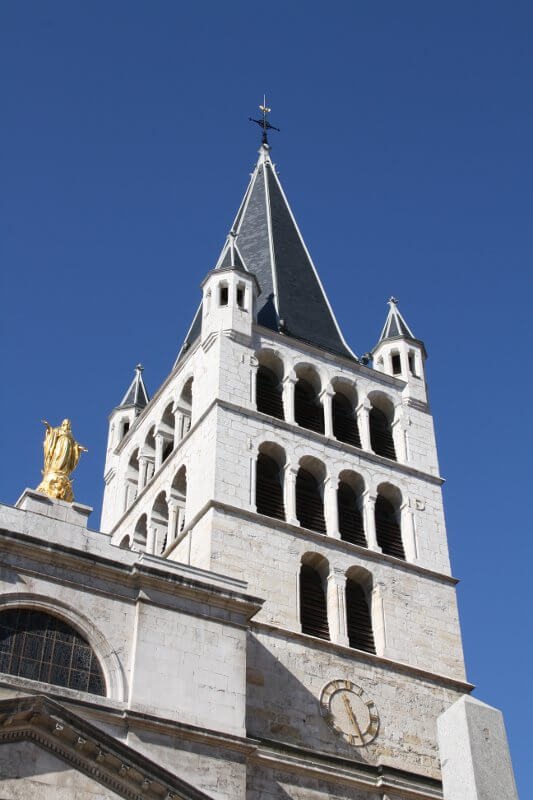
{"x":399,"y":353}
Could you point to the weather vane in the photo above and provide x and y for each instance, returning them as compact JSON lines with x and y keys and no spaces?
{"x":263,"y":122}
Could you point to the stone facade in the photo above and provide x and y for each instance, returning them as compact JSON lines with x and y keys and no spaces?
{"x":192,"y":600}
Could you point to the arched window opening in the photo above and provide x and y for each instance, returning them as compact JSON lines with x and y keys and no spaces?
{"x":345,"y":427}
{"x":396,"y":364}
{"x":308,"y":411}
{"x":223,"y":295}
{"x":309,"y":501}
{"x":178,"y":500}
{"x":159,"y":522}
{"x":125,"y":542}
{"x":269,"y":487}
{"x":358,"y":617}
{"x":41,"y":647}
{"x":148,"y":452}
{"x":132,"y":479}
{"x":412,"y":363}
{"x":140,"y":534}
{"x":388,"y":531}
{"x":313,"y":604}
{"x":381,"y":434}
{"x":240,"y":296}
{"x":269,"y":396}
{"x":125,"y":426}
{"x":351,"y":525}
{"x":184,"y":410}
{"x":166,"y":429}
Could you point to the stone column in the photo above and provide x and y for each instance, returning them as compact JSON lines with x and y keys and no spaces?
{"x":290,"y":494}
{"x":326,"y":398}
{"x":159,"y":445}
{"x":178,"y":425}
{"x":331,"y":509}
{"x":408,"y":530}
{"x":172,"y":522}
{"x":253,"y":481}
{"x":363,"y":423}
{"x":151,"y":539}
{"x":378,"y":620}
{"x":336,"y":602}
{"x":143,"y":470}
{"x":369,"y":507}
{"x":398,"y":435}
{"x":288,"y":398}
{"x":254,"y":366}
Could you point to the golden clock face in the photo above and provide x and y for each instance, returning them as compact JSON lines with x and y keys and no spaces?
{"x":349,"y":712}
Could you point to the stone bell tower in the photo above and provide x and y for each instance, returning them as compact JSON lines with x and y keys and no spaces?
{"x":314,"y":478}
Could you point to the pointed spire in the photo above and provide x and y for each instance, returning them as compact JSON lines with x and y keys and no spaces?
{"x":268,"y":243}
{"x":395,"y":325}
{"x":136,"y":395}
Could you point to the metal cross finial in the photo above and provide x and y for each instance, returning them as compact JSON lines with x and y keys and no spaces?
{"x":264,"y":123}
{"x":393,"y":300}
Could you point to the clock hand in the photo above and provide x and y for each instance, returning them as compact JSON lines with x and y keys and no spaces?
{"x":350,"y":713}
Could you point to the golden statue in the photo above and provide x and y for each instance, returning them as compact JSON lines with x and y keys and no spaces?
{"x":61,"y":455}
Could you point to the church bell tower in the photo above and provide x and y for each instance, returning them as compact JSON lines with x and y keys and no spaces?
{"x":274,"y":455}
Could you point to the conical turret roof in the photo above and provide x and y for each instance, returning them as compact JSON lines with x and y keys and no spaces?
{"x":136,"y":394}
{"x":396,"y":327}
{"x":269,"y":244}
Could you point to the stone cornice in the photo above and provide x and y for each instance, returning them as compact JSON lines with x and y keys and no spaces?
{"x":308,"y":534}
{"x":137,"y":572}
{"x":360,"y":655}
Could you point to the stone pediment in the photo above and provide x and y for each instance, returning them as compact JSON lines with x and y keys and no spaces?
{"x":85,"y":750}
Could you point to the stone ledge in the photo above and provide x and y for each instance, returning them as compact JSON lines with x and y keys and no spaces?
{"x":73,"y":513}
{"x":360,"y":655}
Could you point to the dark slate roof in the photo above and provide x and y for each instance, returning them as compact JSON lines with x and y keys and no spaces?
{"x":270,"y":245}
{"x":136,"y":394}
{"x":395,"y":325}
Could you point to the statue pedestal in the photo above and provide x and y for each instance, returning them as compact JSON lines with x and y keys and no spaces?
{"x":73,"y":513}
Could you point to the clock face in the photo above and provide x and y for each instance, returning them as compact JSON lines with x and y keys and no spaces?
{"x":349,"y":712}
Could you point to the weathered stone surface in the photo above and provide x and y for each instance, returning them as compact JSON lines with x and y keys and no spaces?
{"x":476,"y":764}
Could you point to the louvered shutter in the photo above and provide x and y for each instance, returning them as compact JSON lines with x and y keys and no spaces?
{"x":268,"y":393}
{"x":358,"y":618}
{"x":381,"y":434}
{"x":308,"y":411}
{"x":350,"y":518}
{"x":269,"y":490}
{"x":345,"y":427}
{"x":388,"y":533}
{"x":313,"y":609}
{"x":309,"y":504}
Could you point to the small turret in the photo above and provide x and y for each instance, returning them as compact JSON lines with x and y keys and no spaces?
{"x":229,"y":295}
{"x":131,"y":405}
{"x":399,"y":353}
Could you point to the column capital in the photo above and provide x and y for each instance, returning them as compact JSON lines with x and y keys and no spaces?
{"x":364,"y":405}
{"x":327,"y":391}
{"x":288,"y":379}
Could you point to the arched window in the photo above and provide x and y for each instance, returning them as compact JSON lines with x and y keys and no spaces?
{"x":178,"y":495}
{"x":159,"y":522}
{"x":308,"y":411}
{"x":381,"y":434}
{"x":148,"y":452}
{"x":351,"y":526}
{"x":358,"y":618}
{"x":167,"y":430}
{"x":184,"y":407}
{"x":345,"y":427}
{"x":269,"y":398}
{"x":140,"y":534}
{"x":132,"y":479}
{"x":41,"y":647}
{"x":388,"y":532}
{"x":313,"y":606}
{"x":269,"y":487}
{"x":309,"y":502}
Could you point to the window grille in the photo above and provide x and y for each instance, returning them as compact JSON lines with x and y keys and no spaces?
{"x":388,"y":532}
{"x":345,"y":427}
{"x":381,"y":434}
{"x":309,"y":503}
{"x":41,"y":647}
{"x":308,"y":411}
{"x":358,"y":618}
{"x":351,"y":526}
{"x":313,"y":609}
{"x":268,"y":393}
{"x":269,"y":488}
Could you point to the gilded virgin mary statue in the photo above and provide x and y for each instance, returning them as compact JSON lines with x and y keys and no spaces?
{"x":61,"y":455}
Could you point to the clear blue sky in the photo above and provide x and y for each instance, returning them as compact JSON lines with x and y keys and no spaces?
{"x":406,"y":154}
